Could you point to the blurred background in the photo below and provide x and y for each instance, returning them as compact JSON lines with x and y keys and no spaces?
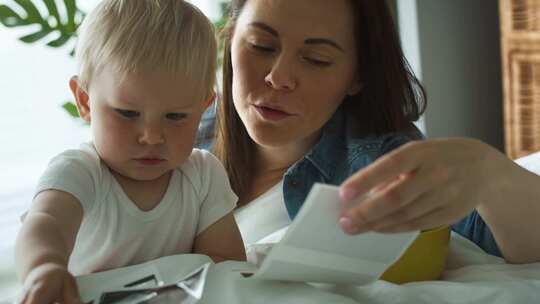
{"x":477,"y":59}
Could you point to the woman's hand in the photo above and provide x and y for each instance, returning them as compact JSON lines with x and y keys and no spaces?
{"x":50,"y":283}
{"x":422,"y":185}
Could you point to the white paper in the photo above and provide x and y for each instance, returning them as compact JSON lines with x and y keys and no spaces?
{"x":473,"y":277}
{"x":187,"y":290}
{"x":166,"y":270}
{"x":315,"y":249}
{"x":530,"y":162}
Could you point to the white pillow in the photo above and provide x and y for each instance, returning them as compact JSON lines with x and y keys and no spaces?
{"x":530,"y":162}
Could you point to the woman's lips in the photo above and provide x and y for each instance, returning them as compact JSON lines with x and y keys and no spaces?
{"x":270,"y":113}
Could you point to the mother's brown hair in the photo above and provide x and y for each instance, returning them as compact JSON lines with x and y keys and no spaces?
{"x":390,"y":100}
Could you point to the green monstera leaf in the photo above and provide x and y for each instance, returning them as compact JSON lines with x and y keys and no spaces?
{"x":71,"y":109}
{"x":24,"y":13}
{"x":61,"y":23}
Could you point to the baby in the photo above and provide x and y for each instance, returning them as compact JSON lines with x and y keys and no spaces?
{"x":139,"y":190}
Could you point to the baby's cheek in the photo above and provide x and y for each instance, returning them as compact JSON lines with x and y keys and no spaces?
{"x":118,"y":130}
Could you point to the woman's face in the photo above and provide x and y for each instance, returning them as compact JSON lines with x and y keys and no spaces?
{"x":293,"y":63}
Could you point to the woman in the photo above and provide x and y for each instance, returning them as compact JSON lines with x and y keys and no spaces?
{"x":314,"y":91}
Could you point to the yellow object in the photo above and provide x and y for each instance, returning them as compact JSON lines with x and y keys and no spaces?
{"x":424,"y":260}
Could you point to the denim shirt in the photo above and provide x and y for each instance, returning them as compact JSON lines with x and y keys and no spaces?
{"x":341,"y":151}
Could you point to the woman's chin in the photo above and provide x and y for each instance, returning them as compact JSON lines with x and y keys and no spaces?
{"x":271,"y":138}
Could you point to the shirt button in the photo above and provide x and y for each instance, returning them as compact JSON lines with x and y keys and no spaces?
{"x":294,"y":184}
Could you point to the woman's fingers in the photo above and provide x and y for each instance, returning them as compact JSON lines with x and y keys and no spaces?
{"x":423,"y":206}
{"x":439,"y":217}
{"x":364,"y":214}
{"x":420,"y":185}
{"x":386,"y":168}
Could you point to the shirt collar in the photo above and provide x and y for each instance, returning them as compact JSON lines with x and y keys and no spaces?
{"x":327,"y":152}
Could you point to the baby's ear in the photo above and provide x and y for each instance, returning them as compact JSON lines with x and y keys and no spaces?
{"x":81,"y":98}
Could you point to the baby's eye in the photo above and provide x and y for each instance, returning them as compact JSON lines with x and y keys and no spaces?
{"x":176,"y":116}
{"x":128,"y":113}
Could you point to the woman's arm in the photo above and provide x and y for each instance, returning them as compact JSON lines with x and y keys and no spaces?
{"x":513,"y":213}
{"x":431,"y":183}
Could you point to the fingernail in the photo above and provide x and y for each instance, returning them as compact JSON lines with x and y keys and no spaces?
{"x":347,"y":225}
{"x":347,"y":194}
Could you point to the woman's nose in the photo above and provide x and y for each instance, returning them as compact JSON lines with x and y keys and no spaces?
{"x":281,"y":75}
{"x":152,"y":134}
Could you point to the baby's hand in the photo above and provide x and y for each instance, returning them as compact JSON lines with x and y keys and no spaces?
{"x":50,"y":283}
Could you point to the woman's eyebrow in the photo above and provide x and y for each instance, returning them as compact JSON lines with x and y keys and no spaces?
{"x":264,"y":27}
{"x":324,"y":41}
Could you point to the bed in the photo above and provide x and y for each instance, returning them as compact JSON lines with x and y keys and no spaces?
{"x":471,"y":277}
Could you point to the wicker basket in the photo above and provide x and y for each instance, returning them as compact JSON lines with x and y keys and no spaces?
{"x":520,"y":27}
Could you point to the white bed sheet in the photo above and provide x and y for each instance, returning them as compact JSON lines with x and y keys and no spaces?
{"x":8,"y":280}
{"x":471,"y":277}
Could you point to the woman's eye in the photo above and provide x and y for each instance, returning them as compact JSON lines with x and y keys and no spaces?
{"x":261,"y":48}
{"x":176,"y":116}
{"x":318,"y":62}
{"x":128,"y":113}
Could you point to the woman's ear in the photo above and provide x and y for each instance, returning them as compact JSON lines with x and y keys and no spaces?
{"x":81,"y":98}
{"x":355,"y":87}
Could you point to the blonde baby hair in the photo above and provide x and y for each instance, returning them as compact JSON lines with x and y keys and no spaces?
{"x":135,"y":36}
